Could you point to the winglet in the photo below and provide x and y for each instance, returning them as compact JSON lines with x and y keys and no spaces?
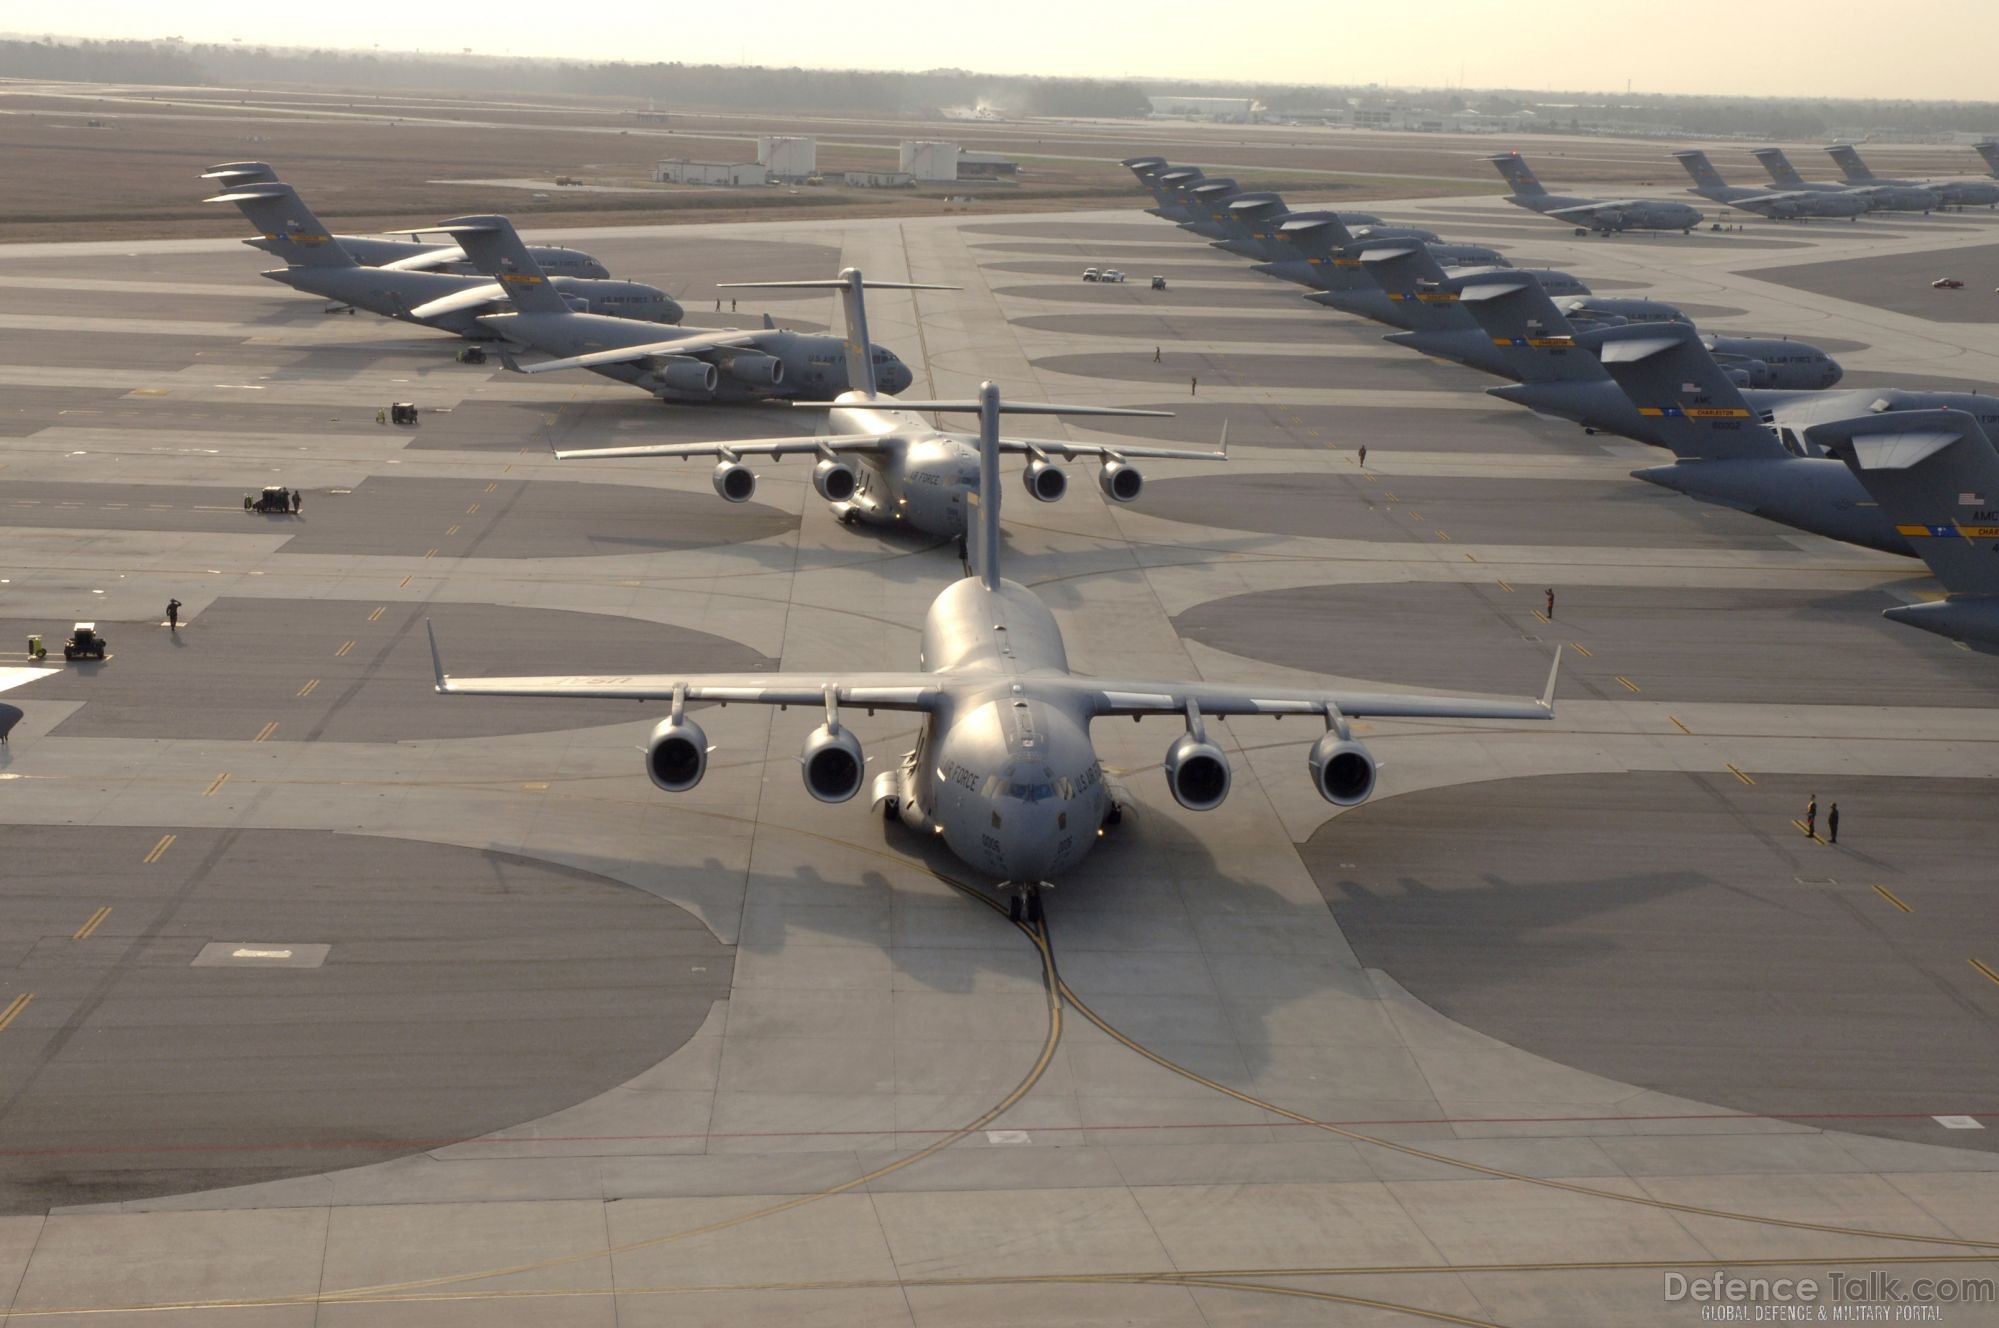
{"x":1547,"y":693}
{"x":442,"y":683}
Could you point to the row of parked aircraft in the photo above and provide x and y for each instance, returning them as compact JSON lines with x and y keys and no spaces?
{"x":1754,"y":424}
{"x":1790,"y":198}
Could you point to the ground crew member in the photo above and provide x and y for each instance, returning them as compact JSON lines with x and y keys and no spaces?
{"x":1832,"y":824}
{"x":1551,"y":604}
{"x":381,"y":417}
{"x":1363,"y":456}
{"x":297,"y":498}
{"x":1193,"y":385}
{"x":173,"y":615}
{"x":1812,"y":817}
{"x":1155,"y":354}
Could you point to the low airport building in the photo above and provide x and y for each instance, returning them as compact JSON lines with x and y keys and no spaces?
{"x":680,"y":170}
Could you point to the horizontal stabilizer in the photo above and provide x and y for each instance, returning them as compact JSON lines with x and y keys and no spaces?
{"x":1631,"y":352}
{"x":1473,"y":292}
{"x":476,"y":297}
{"x":1899,"y":451}
{"x":694,"y":345}
{"x":831,"y":284}
{"x":972,"y":406}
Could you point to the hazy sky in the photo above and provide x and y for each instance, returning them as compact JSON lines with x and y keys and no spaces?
{"x":1834,"y":48}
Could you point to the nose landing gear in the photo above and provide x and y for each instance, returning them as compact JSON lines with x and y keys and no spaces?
{"x":1026,"y":900}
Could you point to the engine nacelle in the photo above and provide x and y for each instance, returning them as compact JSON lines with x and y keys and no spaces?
{"x":1749,"y":373}
{"x":834,"y":480}
{"x":1120,"y":481}
{"x":683,"y":373}
{"x":677,"y":755}
{"x":1342,"y":770}
{"x":1045,"y":481}
{"x":1197,"y":772}
{"x":735,"y":482}
{"x":832,"y":764}
{"x":753,"y":368}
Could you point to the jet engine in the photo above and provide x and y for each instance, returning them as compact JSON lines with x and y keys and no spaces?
{"x":677,"y":755}
{"x":1045,"y":480}
{"x":1342,"y":770}
{"x":832,"y":763}
{"x":1120,"y":481}
{"x":1197,"y":772}
{"x":683,"y":373}
{"x":751,"y":367}
{"x":735,"y":482}
{"x":1748,"y":373}
{"x":834,"y":480}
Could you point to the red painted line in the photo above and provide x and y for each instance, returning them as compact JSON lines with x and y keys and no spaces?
{"x":334,"y":1145}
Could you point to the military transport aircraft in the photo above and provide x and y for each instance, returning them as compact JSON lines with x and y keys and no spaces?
{"x":1880,"y":197}
{"x":1954,"y":193}
{"x":407,"y":255}
{"x":1936,"y":475}
{"x":1601,"y":215}
{"x":689,"y":364}
{"x":1317,"y":249}
{"x":882,"y":464}
{"x":321,"y":265}
{"x":1004,"y":771}
{"x":1779,"y":205}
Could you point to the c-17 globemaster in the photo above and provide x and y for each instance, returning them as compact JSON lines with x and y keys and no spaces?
{"x":685,"y":364}
{"x":882,"y":464}
{"x":1952,"y":193}
{"x":319,"y":264}
{"x":1003,"y":771}
{"x":1779,"y":205}
{"x":1596,"y":214}
{"x":404,"y":255}
{"x":1880,"y":197}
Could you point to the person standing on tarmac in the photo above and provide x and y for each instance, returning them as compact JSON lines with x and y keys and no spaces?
{"x":173,"y":615}
{"x":1812,"y":817}
{"x":1832,"y":824}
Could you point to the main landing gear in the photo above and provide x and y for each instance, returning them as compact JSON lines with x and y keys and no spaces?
{"x":1026,"y":901}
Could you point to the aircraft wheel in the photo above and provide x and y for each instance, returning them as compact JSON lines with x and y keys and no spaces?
{"x":1013,"y":909}
{"x":1034,"y":913}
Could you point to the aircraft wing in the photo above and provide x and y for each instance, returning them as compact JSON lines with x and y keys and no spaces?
{"x":872,"y":691}
{"x":1586,"y":211}
{"x":1069,"y":451}
{"x":1119,"y":697}
{"x":429,"y":260}
{"x":686,"y":345}
{"x":735,"y":447}
{"x":474,"y":297}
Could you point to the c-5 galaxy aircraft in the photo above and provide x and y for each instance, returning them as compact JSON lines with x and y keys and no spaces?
{"x":406,"y":255}
{"x":690,"y":364}
{"x":1603,"y":216}
{"x":1936,"y":475}
{"x":1003,"y":770}
{"x":1954,"y":193}
{"x":1880,"y":197}
{"x":1515,"y":299}
{"x":321,"y":265}
{"x":882,"y":464}
{"x":1778,"y":205}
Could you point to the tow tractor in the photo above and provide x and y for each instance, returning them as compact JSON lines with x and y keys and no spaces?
{"x":83,"y":643}
{"x":273,"y":498}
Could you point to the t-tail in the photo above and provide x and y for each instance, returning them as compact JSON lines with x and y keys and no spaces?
{"x":494,"y":247}
{"x":1779,"y":166}
{"x":1936,"y":475}
{"x":1517,"y":173}
{"x":1692,"y":406}
{"x":1701,"y":169}
{"x":232,"y":174}
{"x":1989,"y":150}
{"x":1531,"y":333}
{"x":1847,"y":158}
{"x":854,"y":307}
{"x":275,"y":208}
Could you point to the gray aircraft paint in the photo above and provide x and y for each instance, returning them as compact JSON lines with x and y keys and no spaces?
{"x":1256,"y":224}
{"x":1597,"y":214}
{"x":1318,"y":249}
{"x":1936,"y":474}
{"x":1880,"y":197}
{"x":1403,"y":299}
{"x":1953,"y":193}
{"x":1003,"y":771}
{"x":1778,"y":205}
{"x":689,"y":364}
{"x":375,"y":251}
{"x":320,"y":265}
{"x":882,"y":464}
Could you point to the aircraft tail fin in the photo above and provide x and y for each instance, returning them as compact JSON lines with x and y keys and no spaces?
{"x":986,"y":528}
{"x":1516,"y":172}
{"x":1413,"y":281}
{"x":1847,"y":158}
{"x":1989,"y":151}
{"x":275,"y":208}
{"x":1779,"y":166}
{"x":1676,"y":386}
{"x":1701,"y":169}
{"x":854,"y":307}
{"x":1535,"y":337}
{"x":1936,"y":475}
{"x":493,"y":246}
{"x":230,"y":174}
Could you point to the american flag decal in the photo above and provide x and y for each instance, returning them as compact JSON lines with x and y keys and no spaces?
{"x":1971,"y":500}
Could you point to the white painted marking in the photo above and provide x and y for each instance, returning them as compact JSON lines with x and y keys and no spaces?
{"x":245,"y":952}
{"x":1006,"y":1136}
{"x":1958,"y":1122}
